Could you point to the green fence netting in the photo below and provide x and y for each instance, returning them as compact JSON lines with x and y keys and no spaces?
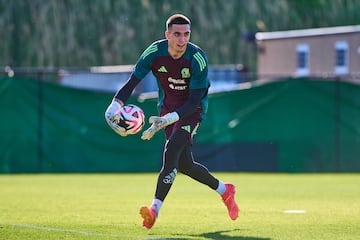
{"x":292,"y":125}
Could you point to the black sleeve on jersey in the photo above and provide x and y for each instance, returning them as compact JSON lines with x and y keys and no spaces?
{"x":124,"y":93}
{"x":192,"y":103}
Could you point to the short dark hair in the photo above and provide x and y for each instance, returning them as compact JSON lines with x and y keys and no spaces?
{"x":177,"y":19}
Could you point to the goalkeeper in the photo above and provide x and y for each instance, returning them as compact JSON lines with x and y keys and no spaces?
{"x":181,"y":70}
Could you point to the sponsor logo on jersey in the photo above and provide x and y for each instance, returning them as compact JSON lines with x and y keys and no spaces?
{"x":162,"y":69}
{"x":172,"y":86}
{"x":176,"y":81}
{"x":185,"y":72}
{"x":177,"y":84}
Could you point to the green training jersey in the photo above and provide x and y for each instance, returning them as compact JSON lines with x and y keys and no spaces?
{"x":175,"y":77}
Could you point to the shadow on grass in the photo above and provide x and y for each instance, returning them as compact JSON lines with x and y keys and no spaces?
{"x":218,"y":235}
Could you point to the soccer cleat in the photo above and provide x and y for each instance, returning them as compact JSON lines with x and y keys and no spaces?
{"x":229,"y":200}
{"x":149,"y":216}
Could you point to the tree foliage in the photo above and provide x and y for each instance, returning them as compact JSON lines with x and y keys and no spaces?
{"x":81,"y":33}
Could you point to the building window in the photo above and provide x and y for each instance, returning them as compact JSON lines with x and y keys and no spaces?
{"x":341,"y":57}
{"x":302,"y":65}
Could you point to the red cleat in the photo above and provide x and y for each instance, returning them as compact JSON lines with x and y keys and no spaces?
{"x":229,"y":200}
{"x":149,"y":216}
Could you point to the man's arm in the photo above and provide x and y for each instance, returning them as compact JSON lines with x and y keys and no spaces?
{"x":192,"y":103}
{"x":118,"y":102}
{"x":124,"y":93}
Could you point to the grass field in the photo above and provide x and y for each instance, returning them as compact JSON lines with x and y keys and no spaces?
{"x":105,"y":206}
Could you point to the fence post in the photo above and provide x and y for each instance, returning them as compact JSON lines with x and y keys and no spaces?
{"x":40,"y":120}
{"x":337,"y":122}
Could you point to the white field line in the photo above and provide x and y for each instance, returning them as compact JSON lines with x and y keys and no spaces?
{"x":296,"y":211}
{"x":79,"y":232}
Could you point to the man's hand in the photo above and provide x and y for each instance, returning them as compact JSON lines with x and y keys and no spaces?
{"x":112,"y":118}
{"x":158,"y":123}
{"x":150,"y":132}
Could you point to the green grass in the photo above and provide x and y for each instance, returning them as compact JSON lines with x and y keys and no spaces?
{"x":105,"y":206}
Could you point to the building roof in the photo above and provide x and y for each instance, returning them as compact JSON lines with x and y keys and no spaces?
{"x":306,"y":32}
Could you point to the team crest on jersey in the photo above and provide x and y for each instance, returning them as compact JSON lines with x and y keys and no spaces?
{"x":185,"y":72}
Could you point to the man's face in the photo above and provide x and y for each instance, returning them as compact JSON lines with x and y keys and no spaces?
{"x":178,"y":37}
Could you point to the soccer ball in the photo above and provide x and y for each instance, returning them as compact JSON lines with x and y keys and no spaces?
{"x":130,"y":117}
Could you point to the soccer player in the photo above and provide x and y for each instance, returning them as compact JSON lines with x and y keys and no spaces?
{"x":181,"y":70}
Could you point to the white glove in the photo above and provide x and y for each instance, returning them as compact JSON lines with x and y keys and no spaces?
{"x":112,"y":118}
{"x":158,"y":123}
{"x":150,"y":132}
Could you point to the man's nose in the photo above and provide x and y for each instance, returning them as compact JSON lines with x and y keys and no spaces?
{"x":182,"y":38}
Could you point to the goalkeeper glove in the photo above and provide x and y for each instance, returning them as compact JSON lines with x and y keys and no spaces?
{"x":158,"y":123}
{"x":112,"y":118}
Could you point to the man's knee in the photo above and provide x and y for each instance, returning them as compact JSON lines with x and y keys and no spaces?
{"x":186,"y":161}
